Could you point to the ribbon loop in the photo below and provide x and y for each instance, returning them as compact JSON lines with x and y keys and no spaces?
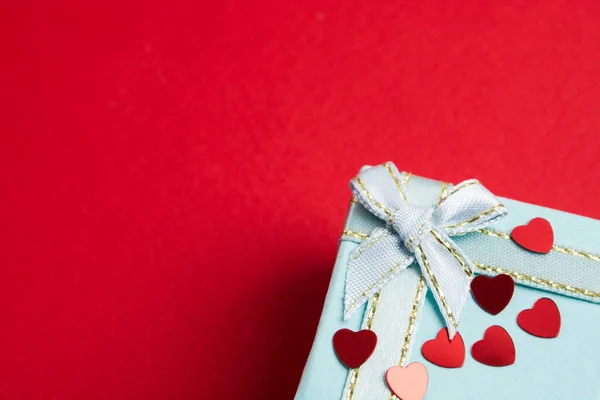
{"x":417,"y":233}
{"x":469,"y":207}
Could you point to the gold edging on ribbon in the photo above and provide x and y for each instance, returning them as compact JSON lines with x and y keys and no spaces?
{"x":576,"y":253}
{"x":452,"y":251}
{"x":407,"y":176}
{"x":481,"y":215}
{"x":497,"y":234}
{"x":360,"y":251}
{"x":412,"y":319}
{"x":396,"y":181}
{"x":383,"y":278}
{"x":517,"y":275}
{"x":436,"y":286}
{"x":444,"y":192}
{"x":370,"y":197}
{"x":368,"y":325}
{"x":460,"y":187}
{"x":466,"y":185}
{"x":371,"y":315}
{"x":353,"y":379}
{"x":357,"y":235}
{"x":502,"y":235}
{"x":560,"y":249}
{"x":538,"y":281}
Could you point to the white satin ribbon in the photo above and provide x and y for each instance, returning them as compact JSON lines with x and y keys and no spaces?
{"x":416,"y":232}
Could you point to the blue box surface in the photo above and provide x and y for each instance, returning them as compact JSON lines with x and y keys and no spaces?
{"x":565,"y":367}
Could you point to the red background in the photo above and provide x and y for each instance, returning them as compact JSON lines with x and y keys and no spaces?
{"x":173,"y":176}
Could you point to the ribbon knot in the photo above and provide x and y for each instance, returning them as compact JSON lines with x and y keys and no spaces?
{"x":412,"y":223}
{"x":417,"y":233}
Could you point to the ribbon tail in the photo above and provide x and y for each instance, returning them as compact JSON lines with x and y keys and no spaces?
{"x":448,"y":273}
{"x":371,"y":266}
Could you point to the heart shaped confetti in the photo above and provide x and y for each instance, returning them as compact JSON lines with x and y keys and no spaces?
{"x":409,"y":383}
{"x":543,"y":320}
{"x":444,"y":352}
{"x":536,"y":236}
{"x":354,"y":348}
{"x":496,"y":349}
{"x":493,"y":294}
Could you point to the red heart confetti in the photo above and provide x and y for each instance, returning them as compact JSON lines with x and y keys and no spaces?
{"x":354,"y":348}
{"x":493,"y":294}
{"x":496,"y":349}
{"x":536,"y":236}
{"x":543,"y":320}
{"x":444,"y":352}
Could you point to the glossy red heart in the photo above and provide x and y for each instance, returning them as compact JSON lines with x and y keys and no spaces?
{"x":493,"y":294}
{"x":354,"y":348}
{"x":496,"y":349}
{"x":444,"y":352}
{"x":536,"y":236}
{"x":543,"y":320}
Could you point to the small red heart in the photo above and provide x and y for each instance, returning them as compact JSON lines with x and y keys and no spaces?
{"x":444,"y":352}
{"x":542,"y":320}
{"x":354,"y":348}
{"x":408,"y":383}
{"x":496,"y":349}
{"x":536,"y":236}
{"x":493,"y":294}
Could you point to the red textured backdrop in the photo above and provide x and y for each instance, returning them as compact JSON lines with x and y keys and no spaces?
{"x":173,"y":176}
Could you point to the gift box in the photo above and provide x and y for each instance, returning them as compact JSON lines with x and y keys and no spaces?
{"x":449,"y":292}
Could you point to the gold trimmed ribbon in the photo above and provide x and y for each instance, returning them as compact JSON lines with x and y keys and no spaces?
{"x":416,"y":233}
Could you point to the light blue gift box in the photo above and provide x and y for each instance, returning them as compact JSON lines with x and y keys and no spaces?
{"x":566,"y":367}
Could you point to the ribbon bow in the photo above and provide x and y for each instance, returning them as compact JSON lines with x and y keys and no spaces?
{"x":415,"y":232}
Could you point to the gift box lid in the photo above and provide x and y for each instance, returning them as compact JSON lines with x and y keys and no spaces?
{"x":404,"y":316}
